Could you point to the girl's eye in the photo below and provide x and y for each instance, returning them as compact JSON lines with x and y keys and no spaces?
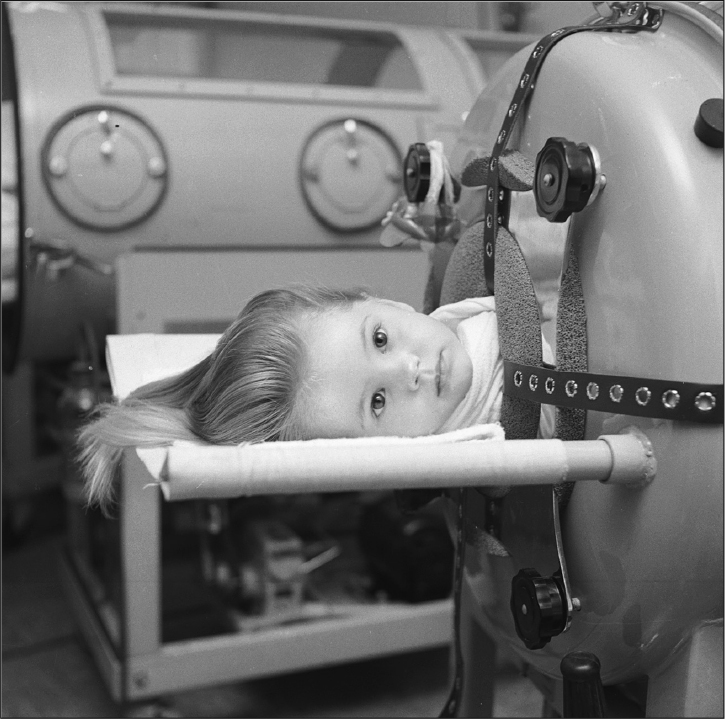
{"x":378,"y":402}
{"x":380,"y":339}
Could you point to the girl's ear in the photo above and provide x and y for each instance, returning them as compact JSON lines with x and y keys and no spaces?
{"x":399,"y":305}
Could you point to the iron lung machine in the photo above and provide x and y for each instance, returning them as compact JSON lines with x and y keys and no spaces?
{"x":623,"y":132}
{"x":155,"y":127}
{"x":164,"y":162}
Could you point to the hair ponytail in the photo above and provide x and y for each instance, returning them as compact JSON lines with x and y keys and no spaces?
{"x":245,"y":391}
{"x":152,"y":416}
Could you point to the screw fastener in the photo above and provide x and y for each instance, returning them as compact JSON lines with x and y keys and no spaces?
{"x":58,"y":166}
{"x":156,"y":167}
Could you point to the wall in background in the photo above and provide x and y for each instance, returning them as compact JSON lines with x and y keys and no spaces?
{"x":532,"y":17}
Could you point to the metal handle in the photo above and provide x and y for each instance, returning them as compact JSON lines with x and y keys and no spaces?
{"x":583,"y":690}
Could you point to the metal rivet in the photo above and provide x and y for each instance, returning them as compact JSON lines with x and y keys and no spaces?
{"x":524,"y":80}
{"x":671,"y":398}
{"x":107,"y":148}
{"x":571,"y":388}
{"x":576,"y":604}
{"x":493,"y":163}
{"x":490,"y":194}
{"x":705,"y":401}
{"x":501,"y":136}
{"x":489,"y":249}
{"x":642,"y":395}
{"x":501,"y":195}
{"x":549,"y":385}
{"x":512,"y":109}
{"x":58,"y":166}
{"x":556,"y":33}
{"x":104,"y":120}
{"x":592,"y":390}
{"x":533,"y":382}
{"x":537,"y":52}
{"x":616,"y":392}
{"x":518,"y":378}
{"x":489,"y":221}
{"x":156,"y":167}
{"x":500,"y":219}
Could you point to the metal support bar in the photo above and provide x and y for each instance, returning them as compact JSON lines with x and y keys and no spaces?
{"x":141,"y":569}
{"x":193,"y":472}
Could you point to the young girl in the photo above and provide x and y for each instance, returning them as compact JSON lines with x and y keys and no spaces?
{"x":307,"y":363}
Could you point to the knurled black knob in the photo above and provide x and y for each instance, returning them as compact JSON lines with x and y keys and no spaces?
{"x":538,"y":606}
{"x":564,"y":180}
{"x":583,"y":690}
{"x":416,"y":172}
{"x":709,"y":122}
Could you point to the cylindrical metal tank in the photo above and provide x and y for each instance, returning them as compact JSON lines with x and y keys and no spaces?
{"x":159,"y":126}
{"x":647,"y":565}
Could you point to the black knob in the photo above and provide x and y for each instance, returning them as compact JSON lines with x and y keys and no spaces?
{"x":538,"y":606}
{"x":564,"y":180}
{"x":416,"y":175}
{"x":709,"y":122}
{"x":583,"y":691}
{"x":416,"y":172}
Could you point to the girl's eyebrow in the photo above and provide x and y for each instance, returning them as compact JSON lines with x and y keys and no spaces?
{"x":361,"y":413}
{"x":362,"y":404}
{"x":364,"y":333}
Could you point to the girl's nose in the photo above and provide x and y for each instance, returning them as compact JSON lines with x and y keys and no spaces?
{"x":405,"y":371}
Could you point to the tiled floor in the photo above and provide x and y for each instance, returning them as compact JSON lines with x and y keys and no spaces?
{"x":48,"y":671}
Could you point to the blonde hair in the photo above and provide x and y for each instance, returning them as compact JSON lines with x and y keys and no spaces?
{"x":247,"y":390}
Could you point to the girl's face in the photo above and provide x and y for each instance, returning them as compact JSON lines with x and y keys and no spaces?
{"x":379,"y":368}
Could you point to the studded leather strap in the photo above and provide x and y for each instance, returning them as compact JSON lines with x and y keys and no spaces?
{"x":631,"y":17}
{"x":637,"y":396}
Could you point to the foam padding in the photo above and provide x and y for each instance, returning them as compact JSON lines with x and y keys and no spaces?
{"x":465,"y":275}
{"x":519,"y":331}
{"x":515,"y":172}
{"x":571,"y":345}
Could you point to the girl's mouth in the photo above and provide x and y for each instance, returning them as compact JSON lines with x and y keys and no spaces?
{"x":439,"y":374}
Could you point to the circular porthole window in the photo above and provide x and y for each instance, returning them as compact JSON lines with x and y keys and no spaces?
{"x":350,"y":174}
